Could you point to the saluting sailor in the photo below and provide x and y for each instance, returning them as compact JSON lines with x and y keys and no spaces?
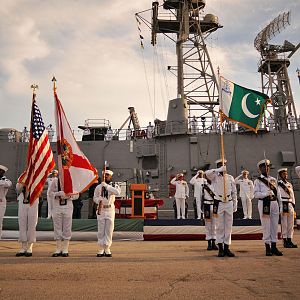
{"x":104,"y":196}
{"x":286,"y":199}
{"x":265,"y":190}
{"x":27,"y":218}
{"x":246,"y":193}
{"x":182,"y":192}
{"x":5,"y":184}
{"x":224,"y":205}
{"x":197,"y":181}
{"x":62,"y":217}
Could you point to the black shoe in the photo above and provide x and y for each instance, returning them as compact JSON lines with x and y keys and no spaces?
{"x":275,"y":251}
{"x":291,"y":244}
{"x":20,"y":254}
{"x":227,"y":251}
{"x":108,"y":254}
{"x":28,"y":254}
{"x":286,"y":244}
{"x":56,"y":254}
{"x":65,"y":254}
{"x":268,"y":250}
{"x":221,"y":251}
{"x":100,"y":254}
{"x":209,"y":246}
{"x":213,"y":245}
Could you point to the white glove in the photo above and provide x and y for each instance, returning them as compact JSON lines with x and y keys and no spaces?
{"x":60,"y":194}
{"x":104,"y":184}
{"x":280,"y":209}
{"x":270,"y":193}
{"x":221,"y":169}
{"x":234,"y":206}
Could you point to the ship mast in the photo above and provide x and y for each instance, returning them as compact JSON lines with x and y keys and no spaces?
{"x":197,"y":93}
{"x":274,"y":75}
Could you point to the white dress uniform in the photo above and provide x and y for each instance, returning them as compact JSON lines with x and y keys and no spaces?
{"x":210,"y":224}
{"x":246,"y":194}
{"x":269,"y":222}
{"x":197,"y":182}
{"x":227,"y":205}
{"x":27,"y":218}
{"x":50,"y":198}
{"x":106,"y":193}
{"x":62,"y":217}
{"x":286,"y":199}
{"x":182,"y":192}
{"x":5,"y":184}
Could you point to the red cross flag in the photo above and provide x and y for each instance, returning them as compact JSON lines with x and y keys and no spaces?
{"x":76,"y":173}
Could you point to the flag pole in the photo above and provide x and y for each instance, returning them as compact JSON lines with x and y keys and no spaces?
{"x":34,"y":88}
{"x":222,"y":136}
{"x":54,"y":84}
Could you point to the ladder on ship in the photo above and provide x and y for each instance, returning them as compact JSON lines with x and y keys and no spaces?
{"x":163,"y":183}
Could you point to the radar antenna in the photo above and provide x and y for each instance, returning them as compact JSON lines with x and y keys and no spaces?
{"x":274,"y":76}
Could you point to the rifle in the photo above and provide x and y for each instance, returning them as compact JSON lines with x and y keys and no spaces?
{"x":103,"y":179}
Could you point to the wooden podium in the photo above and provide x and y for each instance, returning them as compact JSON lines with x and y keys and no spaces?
{"x":137,"y":199}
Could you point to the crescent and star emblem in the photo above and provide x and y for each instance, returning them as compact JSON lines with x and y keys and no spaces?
{"x":245,"y":108}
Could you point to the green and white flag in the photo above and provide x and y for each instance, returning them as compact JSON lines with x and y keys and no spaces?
{"x":242,"y":105}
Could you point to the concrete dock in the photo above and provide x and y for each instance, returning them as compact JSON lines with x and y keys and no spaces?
{"x":149,"y":270}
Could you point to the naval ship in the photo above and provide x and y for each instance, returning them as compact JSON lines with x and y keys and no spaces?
{"x":189,"y":138}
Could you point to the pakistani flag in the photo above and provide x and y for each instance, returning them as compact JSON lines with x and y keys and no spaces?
{"x":242,"y":105}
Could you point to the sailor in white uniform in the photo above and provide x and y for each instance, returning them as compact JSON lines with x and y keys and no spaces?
{"x":182,"y":192}
{"x":5,"y":184}
{"x":50,"y":198}
{"x":246,"y":193}
{"x":104,"y":197}
{"x":286,"y":200}
{"x":265,"y":190}
{"x":27,"y":218}
{"x":62,"y":218}
{"x":224,"y":205}
{"x":208,"y":196}
{"x":197,"y":181}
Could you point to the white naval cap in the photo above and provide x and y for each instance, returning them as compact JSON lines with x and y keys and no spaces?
{"x":245,"y":171}
{"x":263,"y":162}
{"x":54,"y":171}
{"x":180,"y":175}
{"x":220,"y":160}
{"x":3,"y":168}
{"x":282,"y":170}
{"x":109,"y":172}
{"x":200,"y":172}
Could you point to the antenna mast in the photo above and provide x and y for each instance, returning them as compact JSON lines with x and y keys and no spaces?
{"x":274,"y":75}
{"x":181,"y":22}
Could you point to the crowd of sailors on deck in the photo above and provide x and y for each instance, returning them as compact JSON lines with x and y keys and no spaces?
{"x":215,"y":195}
{"x":196,"y":125}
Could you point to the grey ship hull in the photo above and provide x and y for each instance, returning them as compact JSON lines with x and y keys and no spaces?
{"x":154,"y":161}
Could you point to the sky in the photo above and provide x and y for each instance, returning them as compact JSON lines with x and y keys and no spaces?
{"x":93,"y":49}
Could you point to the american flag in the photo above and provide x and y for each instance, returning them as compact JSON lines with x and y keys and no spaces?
{"x":40,"y":160}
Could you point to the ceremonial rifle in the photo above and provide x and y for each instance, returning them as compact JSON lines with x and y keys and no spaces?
{"x":103,"y":179}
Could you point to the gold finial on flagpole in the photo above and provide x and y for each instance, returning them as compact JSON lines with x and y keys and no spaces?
{"x":54,"y":83}
{"x":34,"y":87}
